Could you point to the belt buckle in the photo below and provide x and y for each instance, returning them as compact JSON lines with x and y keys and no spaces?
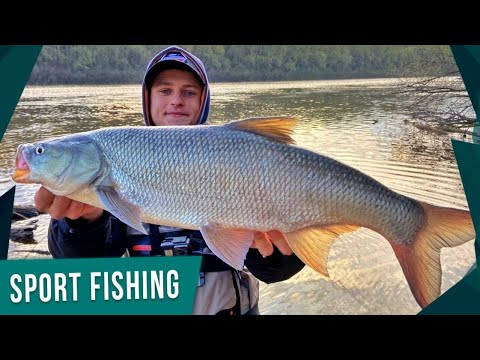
{"x":201,"y":279}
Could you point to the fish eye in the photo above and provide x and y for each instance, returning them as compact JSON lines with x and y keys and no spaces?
{"x":39,"y":149}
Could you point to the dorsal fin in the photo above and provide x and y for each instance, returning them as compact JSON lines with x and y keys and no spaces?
{"x":275,"y":128}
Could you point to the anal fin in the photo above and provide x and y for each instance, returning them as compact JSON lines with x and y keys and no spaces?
{"x":313,"y":244}
{"x":230,"y":245}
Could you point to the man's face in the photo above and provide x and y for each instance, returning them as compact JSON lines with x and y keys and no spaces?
{"x":175,"y":98}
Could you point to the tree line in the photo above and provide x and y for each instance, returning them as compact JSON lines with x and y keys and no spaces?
{"x":121,"y":64}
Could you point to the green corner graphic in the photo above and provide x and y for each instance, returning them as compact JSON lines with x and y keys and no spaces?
{"x":464,"y":297}
{"x":4,"y":50}
{"x":468,"y":61}
{"x":16,"y":64}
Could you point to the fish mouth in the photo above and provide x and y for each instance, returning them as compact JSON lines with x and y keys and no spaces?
{"x":22,"y":170}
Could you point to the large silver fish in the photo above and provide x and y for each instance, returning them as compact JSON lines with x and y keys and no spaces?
{"x":230,"y":180}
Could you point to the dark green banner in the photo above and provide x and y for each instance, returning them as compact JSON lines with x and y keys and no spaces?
{"x":16,"y":64}
{"x":112,"y":286}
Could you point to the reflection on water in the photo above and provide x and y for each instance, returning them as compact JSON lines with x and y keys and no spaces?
{"x":351,"y":120}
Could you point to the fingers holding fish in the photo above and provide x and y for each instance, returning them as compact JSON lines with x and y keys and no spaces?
{"x":89,"y":212}
{"x":262,"y":243}
{"x":277,"y":239}
{"x":265,"y":242}
{"x":43,"y":199}
{"x":60,"y":206}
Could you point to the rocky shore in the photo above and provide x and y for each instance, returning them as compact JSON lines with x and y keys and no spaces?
{"x":28,"y":234}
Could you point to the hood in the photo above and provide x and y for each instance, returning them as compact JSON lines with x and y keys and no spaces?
{"x":191,"y":62}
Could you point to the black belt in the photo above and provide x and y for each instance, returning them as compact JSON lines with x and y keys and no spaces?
{"x":211,"y":263}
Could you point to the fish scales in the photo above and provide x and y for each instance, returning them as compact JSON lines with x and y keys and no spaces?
{"x":246,"y":181}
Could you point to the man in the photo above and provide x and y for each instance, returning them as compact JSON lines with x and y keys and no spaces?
{"x":175,"y":91}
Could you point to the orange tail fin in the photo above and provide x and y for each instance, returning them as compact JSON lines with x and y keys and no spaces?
{"x":420,"y":260}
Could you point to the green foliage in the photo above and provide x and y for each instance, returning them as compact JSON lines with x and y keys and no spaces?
{"x":82,"y":64}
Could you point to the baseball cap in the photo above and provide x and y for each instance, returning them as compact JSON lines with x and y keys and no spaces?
{"x":173,"y":60}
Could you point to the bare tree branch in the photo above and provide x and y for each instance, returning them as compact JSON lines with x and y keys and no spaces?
{"x":437,"y":99}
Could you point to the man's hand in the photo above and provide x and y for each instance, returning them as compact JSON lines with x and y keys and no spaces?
{"x":60,"y":206}
{"x":264,"y":242}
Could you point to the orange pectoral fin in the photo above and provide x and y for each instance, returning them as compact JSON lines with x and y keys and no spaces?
{"x":312,"y":244}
